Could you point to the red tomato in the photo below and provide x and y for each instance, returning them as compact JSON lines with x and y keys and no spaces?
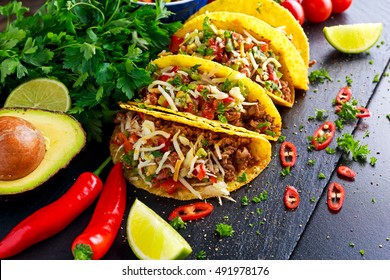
{"x":171,"y":186}
{"x":339,"y":6}
{"x":346,"y":172}
{"x":336,"y":196}
{"x":288,"y":154}
{"x":295,"y":9}
{"x":317,"y":10}
{"x":291,"y":197}
{"x":192,"y":211}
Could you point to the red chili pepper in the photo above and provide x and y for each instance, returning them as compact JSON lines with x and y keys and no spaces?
{"x":101,"y":231}
{"x":336,"y":196}
{"x":288,"y":154}
{"x":192,"y":211}
{"x":54,"y":217}
{"x":323,"y":135}
{"x":346,"y":172}
{"x":291,"y":198}
{"x":363,"y":113}
{"x":343,"y":95}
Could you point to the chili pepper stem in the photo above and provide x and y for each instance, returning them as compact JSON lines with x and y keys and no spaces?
{"x":83,"y":252}
{"x":101,"y":167}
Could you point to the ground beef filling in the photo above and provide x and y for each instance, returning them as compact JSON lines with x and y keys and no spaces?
{"x":236,"y":156}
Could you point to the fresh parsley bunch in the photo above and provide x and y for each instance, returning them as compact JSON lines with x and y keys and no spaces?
{"x":99,"y":49}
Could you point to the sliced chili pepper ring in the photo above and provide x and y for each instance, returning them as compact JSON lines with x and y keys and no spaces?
{"x":336,"y":196}
{"x":288,"y":154}
{"x":343,"y":95}
{"x":363,"y":113}
{"x":323,"y":135}
{"x":291,"y":198}
{"x":192,"y":211}
{"x":346,"y":172}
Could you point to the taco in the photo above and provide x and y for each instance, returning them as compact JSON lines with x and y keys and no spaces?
{"x":173,"y":157}
{"x":249,"y":46}
{"x":268,"y":11}
{"x":208,"y":92}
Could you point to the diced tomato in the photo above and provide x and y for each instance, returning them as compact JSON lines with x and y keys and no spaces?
{"x":121,"y":139}
{"x":175,"y":44}
{"x":192,"y":211}
{"x":228,"y":100}
{"x":218,"y":49}
{"x":200,"y":171}
{"x":171,"y":186}
{"x":166,"y":142}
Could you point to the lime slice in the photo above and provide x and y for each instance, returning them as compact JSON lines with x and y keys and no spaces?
{"x":42,"y":93}
{"x":353,"y":38}
{"x":151,"y":237}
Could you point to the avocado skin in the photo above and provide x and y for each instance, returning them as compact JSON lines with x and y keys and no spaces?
{"x":65,"y":138}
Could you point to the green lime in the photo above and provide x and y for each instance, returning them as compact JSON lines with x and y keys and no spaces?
{"x":353,"y":38}
{"x":151,"y":237}
{"x":42,"y":93}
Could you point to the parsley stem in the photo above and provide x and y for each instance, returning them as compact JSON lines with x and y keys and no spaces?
{"x":90,"y":5}
{"x":113,"y":14}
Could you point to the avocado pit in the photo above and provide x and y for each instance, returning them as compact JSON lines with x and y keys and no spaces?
{"x":22,"y":148}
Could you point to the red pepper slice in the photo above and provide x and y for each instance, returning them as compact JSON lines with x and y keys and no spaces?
{"x":106,"y":220}
{"x":291,"y":198}
{"x":192,"y":211}
{"x":343,"y":95}
{"x":346,"y":172}
{"x":363,"y":113}
{"x":336,"y":196}
{"x":288,"y":154}
{"x":323,"y":135}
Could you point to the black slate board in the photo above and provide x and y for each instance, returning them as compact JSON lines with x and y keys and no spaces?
{"x":265,"y":230}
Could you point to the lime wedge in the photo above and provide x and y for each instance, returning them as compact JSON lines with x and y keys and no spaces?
{"x":42,"y":93}
{"x":151,"y":237}
{"x":353,"y":38}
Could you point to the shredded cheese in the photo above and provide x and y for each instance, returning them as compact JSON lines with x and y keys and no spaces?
{"x":190,"y":188}
{"x":168,"y":98}
{"x":162,"y":161}
{"x":177,"y":169}
{"x":177,"y":146}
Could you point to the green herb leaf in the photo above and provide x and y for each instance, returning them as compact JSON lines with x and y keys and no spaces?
{"x":224,"y":230}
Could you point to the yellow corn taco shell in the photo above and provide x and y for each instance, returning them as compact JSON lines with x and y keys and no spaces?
{"x":294,"y":69}
{"x":268,"y":11}
{"x":258,"y":146}
{"x":256,"y":93}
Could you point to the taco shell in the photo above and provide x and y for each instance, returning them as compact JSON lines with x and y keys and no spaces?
{"x":268,"y":11}
{"x":256,"y":93}
{"x":258,"y":146}
{"x":294,"y":69}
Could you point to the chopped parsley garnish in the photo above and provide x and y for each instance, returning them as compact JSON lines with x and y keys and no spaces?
{"x":261,"y":197}
{"x":282,"y":138}
{"x":285,"y":171}
{"x":224,"y":230}
{"x":178,"y":223}
{"x":222,"y":118}
{"x":313,"y":199}
{"x":330,"y":150}
{"x":388,"y":116}
{"x":348,"y":110}
{"x":349,"y":145}
{"x":362,"y":252}
{"x":373,"y":161}
{"x":376,"y":78}
{"x":311,"y":162}
{"x":321,"y":114}
{"x":319,"y":76}
{"x":348,"y":80}
{"x":244,"y":201}
{"x":321,"y":175}
{"x":242,"y":178}
{"x":201,"y":255}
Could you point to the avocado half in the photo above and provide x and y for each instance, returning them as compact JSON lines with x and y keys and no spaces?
{"x":64,"y":136}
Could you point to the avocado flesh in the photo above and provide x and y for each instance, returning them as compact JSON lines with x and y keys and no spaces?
{"x":64,"y":139}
